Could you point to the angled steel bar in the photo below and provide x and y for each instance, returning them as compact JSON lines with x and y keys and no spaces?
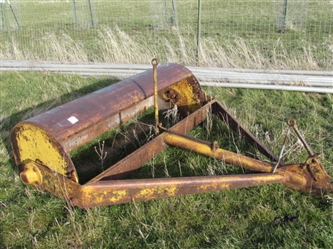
{"x":234,"y":124}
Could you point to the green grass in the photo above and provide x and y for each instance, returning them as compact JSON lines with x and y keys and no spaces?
{"x":233,"y":34}
{"x":244,"y":218}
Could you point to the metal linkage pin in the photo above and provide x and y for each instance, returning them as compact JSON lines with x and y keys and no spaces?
{"x":154,"y":62}
{"x":282,"y":150}
{"x":292,"y":123}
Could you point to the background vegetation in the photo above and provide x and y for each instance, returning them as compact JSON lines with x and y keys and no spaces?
{"x":259,"y":217}
{"x":233,"y":33}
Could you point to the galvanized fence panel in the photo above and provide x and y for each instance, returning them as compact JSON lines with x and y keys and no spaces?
{"x":227,"y":33}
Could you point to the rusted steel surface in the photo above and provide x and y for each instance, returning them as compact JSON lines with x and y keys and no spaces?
{"x":48,"y":180}
{"x":300,"y":177}
{"x":212,"y":150}
{"x":85,"y":118}
{"x":154,"y":64}
{"x":49,"y":137}
{"x":41,"y":145}
{"x":124,"y":191}
{"x":151,"y":149}
{"x":292,"y":123}
{"x":113,"y":192}
{"x":30,"y":142}
{"x":234,"y":124}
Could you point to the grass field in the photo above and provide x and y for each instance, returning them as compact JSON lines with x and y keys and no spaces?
{"x":233,"y":33}
{"x":246,"y":218}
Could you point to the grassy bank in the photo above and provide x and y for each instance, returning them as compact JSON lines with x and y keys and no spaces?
{"x":259,"y":217}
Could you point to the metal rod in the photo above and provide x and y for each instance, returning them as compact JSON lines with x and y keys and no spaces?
{"x":234,"y":124}
{"x":282,"y":74}
{"x":281,"y":153}
{"x":208,"y":76}
{"x":292,"y":124}
{"x":313,"y":81}
{"x":201,"y":147}
{"x":154,"y":62}
{"x":271,"y":87}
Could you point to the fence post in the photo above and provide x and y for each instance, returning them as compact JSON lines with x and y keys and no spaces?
{"x":198,"y":31}
{"x":174,"y":14}
{"x":14,"y":15}
{"x":6,"y":26}
{"x":75,"y":15}
{"x":91,"y":15}
{"x":2,"y":12}
{"x":284,"y":16}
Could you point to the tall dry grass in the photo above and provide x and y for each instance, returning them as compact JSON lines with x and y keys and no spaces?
{"x":116,"y":46}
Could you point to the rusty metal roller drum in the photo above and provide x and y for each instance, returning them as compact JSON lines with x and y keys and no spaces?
{"x":42,"y":144}
{"x":49,"y":137}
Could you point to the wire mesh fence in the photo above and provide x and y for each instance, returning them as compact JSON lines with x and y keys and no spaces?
{"x":293,"y":34}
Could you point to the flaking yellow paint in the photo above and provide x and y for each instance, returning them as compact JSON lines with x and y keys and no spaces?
{"x":188,"y":98}
{"x":118,"y":195}
{"x":214,"y":186}
{"x":166,"y":191}
{"x":34,"y":144}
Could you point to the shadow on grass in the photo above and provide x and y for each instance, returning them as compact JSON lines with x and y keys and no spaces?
{"x":10,"y":121}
